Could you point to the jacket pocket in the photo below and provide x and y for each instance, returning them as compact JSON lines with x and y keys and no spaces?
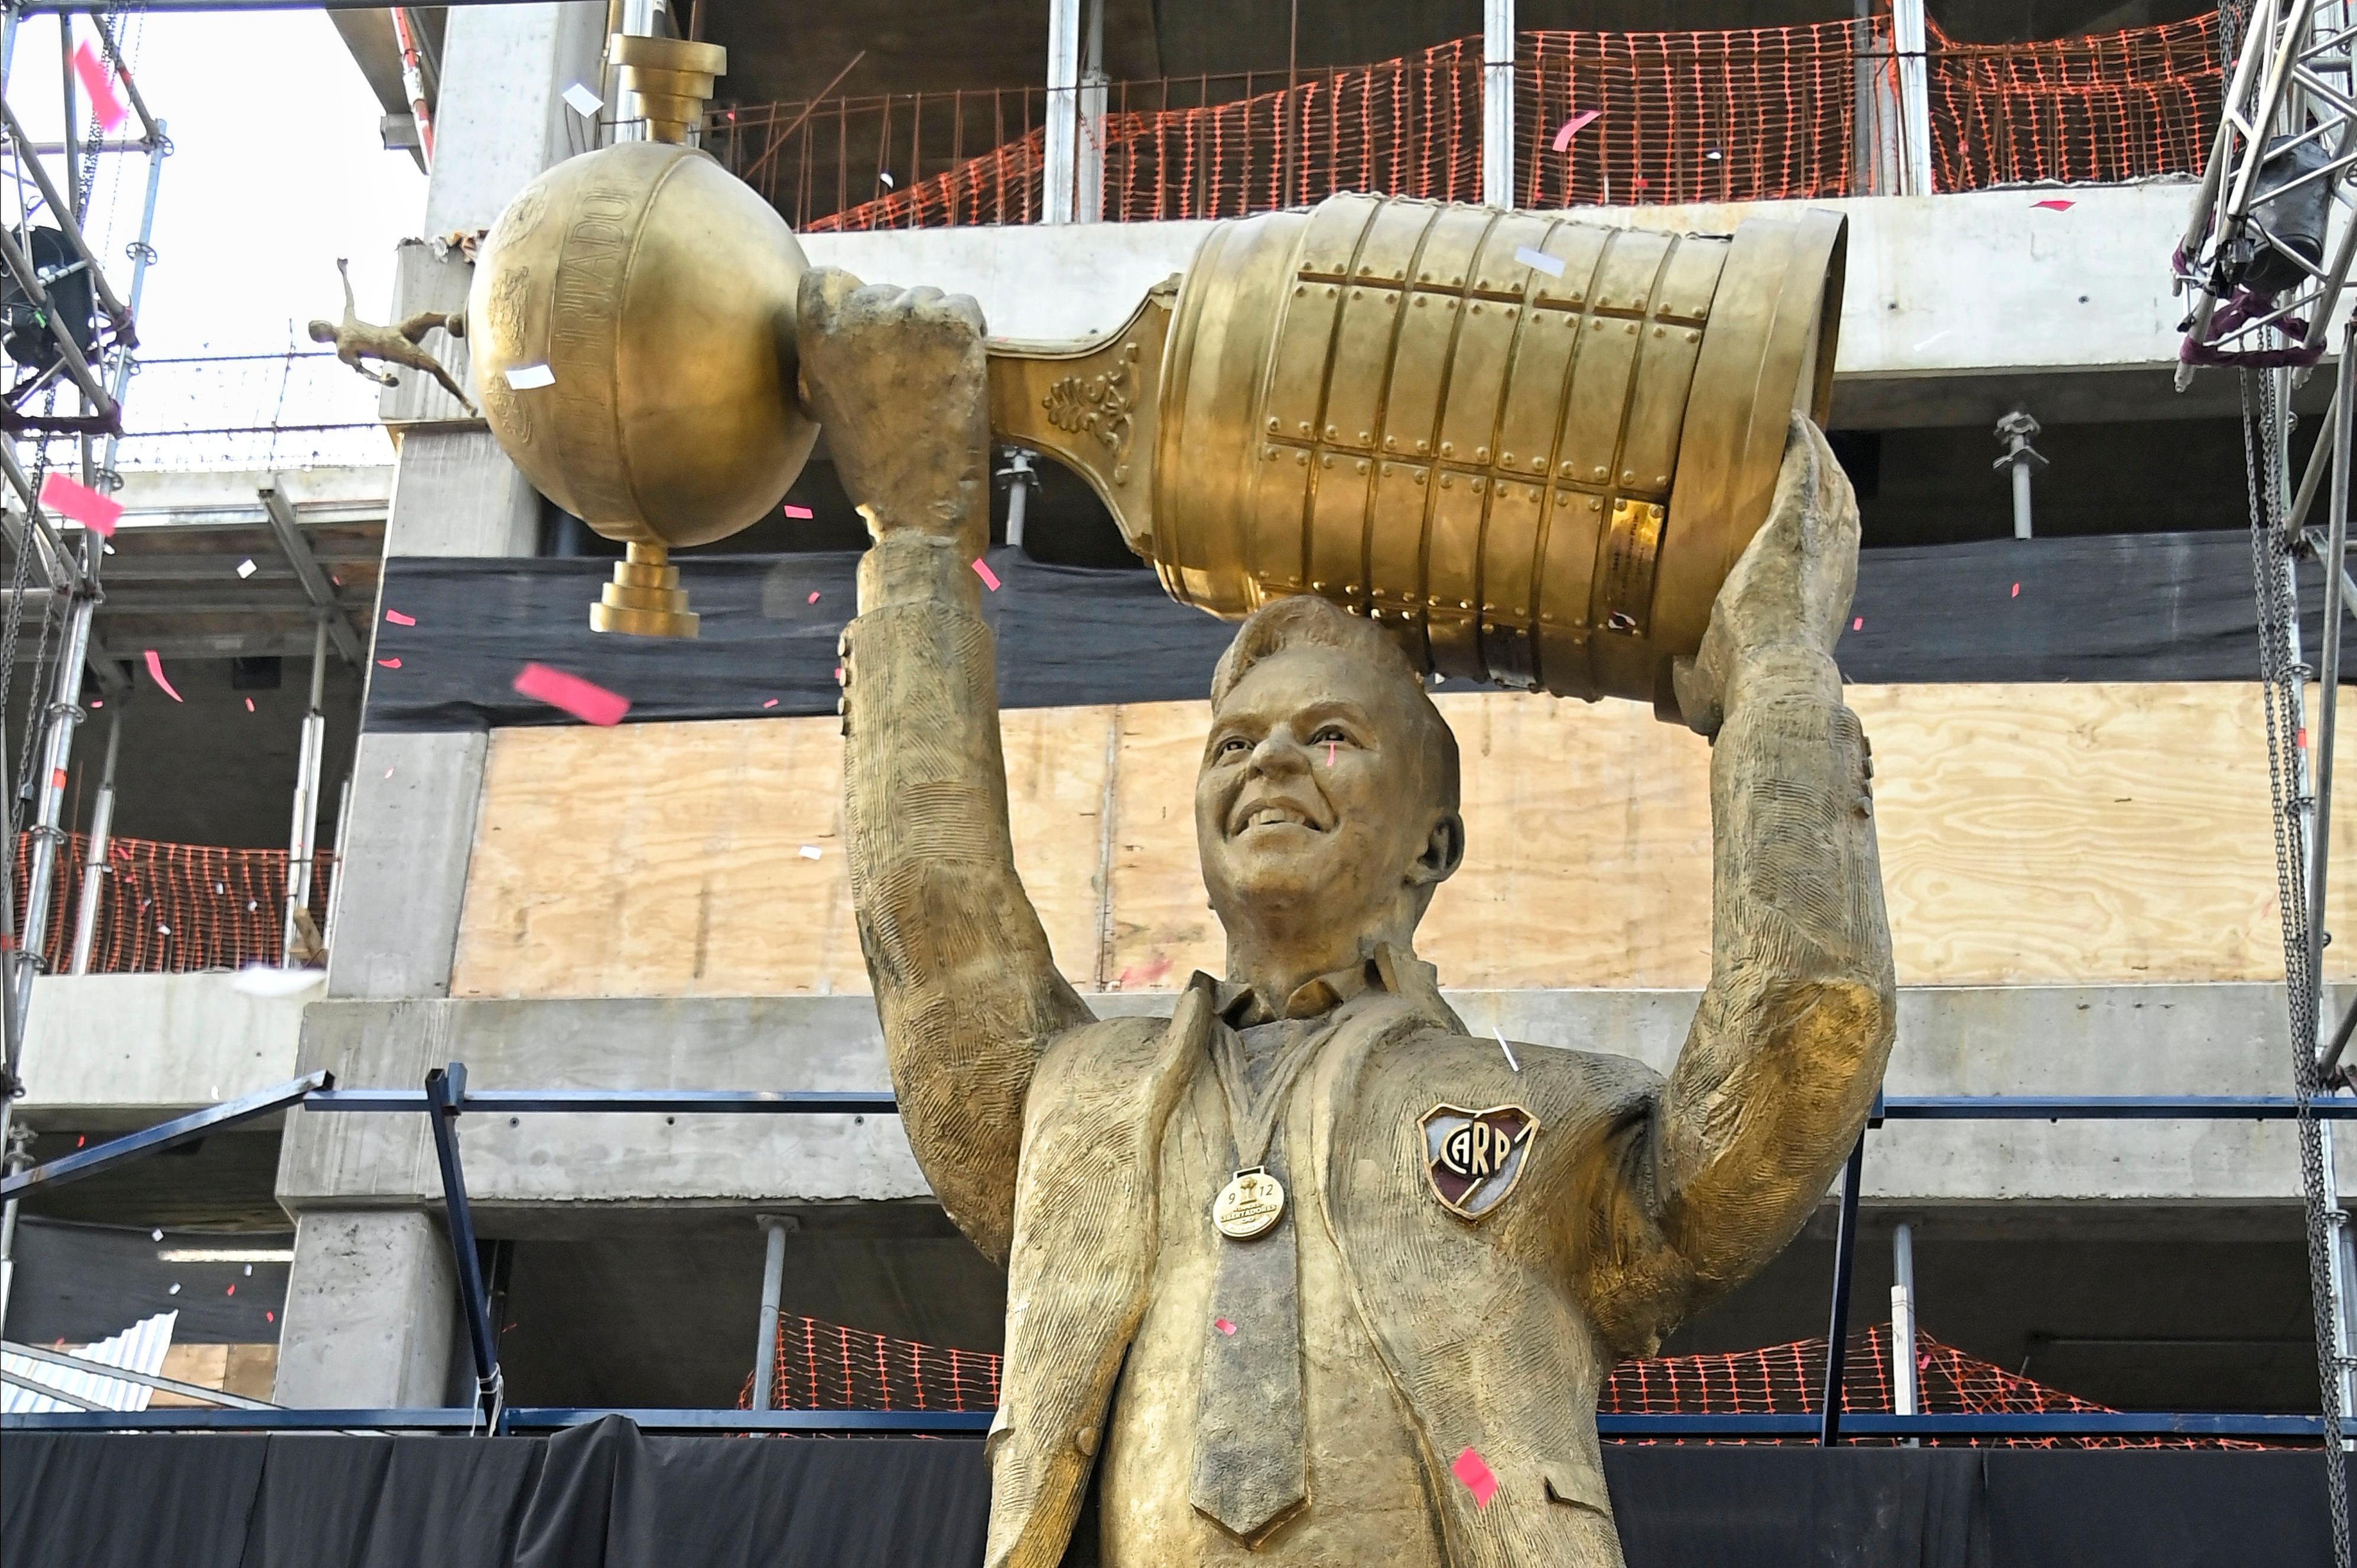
{"x":1579,"y":1484}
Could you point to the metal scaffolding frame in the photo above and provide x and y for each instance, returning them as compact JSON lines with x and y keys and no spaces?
{"x":96,"y":380}
{"x":2264,"y":261}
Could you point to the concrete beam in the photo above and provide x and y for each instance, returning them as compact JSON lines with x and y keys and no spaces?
{"x":1954,"y":305}
{"x":115,"y":1052}
{"x":523,"y":1172}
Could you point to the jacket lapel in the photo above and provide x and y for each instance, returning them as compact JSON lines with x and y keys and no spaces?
{"x":1086,"y":1210}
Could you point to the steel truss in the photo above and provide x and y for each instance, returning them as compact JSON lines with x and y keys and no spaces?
{"x":2255,"y":256}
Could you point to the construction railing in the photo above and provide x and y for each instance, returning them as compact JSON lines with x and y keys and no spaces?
{"x":168,"y":907}
{"x":1743,"y":115}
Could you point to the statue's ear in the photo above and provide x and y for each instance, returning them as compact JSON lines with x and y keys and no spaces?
{"x":1444,"y":851}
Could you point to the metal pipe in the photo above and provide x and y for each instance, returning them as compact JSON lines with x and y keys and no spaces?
{"x":2016,"y":430}
{"x":93,"y":866}
{"x":1497,"y":102}
{"x":2344,"y":402}
{"x":303,"y":832}
{"x":1903,"y":1399}
{"x":1909,"y":43}
{"x":56,"y":756}
{"x":336,"y":889}
{"x":773,"y":1283}
{"x":1019,"y":476}
{"x":1061,"y":176}
{"x":413,"y":83}
{"x":1829,"y":1415}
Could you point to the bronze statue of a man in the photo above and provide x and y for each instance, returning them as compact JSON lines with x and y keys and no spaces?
{"x":1308,"y":1274}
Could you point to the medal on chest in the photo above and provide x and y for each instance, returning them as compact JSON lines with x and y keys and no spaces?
{"x":1253,"y":1202}
{"x":1250,"y":1203}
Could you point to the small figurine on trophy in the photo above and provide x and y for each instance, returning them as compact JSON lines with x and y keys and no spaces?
{"x":356,"y":340}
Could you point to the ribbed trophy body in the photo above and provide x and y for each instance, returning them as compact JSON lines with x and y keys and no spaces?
{"x":1538,"y":471}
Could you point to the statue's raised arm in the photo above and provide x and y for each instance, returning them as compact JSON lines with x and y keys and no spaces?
{"x":1788,"y":1045}
{"x":965,"y":986}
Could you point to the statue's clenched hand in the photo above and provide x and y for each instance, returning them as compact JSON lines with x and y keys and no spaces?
{"x":1790,"y":589}
{"x":896,"y":377}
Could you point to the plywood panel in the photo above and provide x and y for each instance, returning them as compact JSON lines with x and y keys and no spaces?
{"x":1586,"y":848}
{"x":2099,"y":834}
{"x":2030,"y":834}
{"x":665,"y":860}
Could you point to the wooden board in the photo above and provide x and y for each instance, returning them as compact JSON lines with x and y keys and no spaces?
{"x":2055,"y":834}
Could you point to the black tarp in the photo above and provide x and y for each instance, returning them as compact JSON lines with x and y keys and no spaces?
{"x":608,"y":1497}
{"x":2166,"y":606}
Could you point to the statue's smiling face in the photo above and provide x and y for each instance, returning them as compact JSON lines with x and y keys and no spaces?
{"x":1316,"y":799}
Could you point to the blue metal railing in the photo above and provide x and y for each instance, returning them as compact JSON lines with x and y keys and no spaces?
{"x":445,"y":1097}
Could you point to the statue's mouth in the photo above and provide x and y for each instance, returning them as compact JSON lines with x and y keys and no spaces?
{"x":1268,"y":814}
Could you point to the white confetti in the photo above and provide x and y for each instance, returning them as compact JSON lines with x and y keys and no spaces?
{"x":585,"y":103}
{"x":1507,"y":1048}
{"x":155,"y":1235}
{"x":248,"y":1268}
{"x":163,"y":928}
{"x":266,"y":979}
{"x":810,"y":851}
{"x":176,"y":1289}
{"x":886,"y":178}
{"x":524,"y":377}
{"x":1540,"y":261}
{"x":246,"y":568}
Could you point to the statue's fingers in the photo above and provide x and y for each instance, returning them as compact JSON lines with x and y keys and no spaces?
{"x":821,"y":302}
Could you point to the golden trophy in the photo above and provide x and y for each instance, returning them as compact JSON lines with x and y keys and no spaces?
{"x":1532,"y":445}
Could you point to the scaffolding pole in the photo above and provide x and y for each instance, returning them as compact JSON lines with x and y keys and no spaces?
{"x":93,"y":864}
{"x":302,"y":837}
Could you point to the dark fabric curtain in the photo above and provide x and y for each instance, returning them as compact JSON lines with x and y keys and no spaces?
{"x":2170,"y":607}
{"x":606,"y":1496}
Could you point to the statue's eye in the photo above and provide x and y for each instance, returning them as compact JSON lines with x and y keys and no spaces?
{"x":1333,"y":733}
{"x":1235,"y":745}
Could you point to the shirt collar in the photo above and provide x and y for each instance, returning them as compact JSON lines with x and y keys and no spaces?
{"x":1240,"y":1007}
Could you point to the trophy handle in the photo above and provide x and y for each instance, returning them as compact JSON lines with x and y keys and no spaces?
{"x":1093,"y":407}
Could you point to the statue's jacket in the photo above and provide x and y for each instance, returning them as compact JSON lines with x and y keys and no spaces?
{"x":1040,"y":1128}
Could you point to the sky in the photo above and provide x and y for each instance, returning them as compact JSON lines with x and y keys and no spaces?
{"x":278,"y":169}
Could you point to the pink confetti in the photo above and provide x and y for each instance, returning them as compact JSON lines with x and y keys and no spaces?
{"x":584,"y":699}
{"x":1476,"y":1475}
{"x":1573,"y":126}
{"x":1857,"y":625}
{"x":989,"y":578}
{"x":98,"y":82}
{"x":72,"y":498}
{"x":155,"y":668}
{"x":98,"y":702}
{"x":389,"y":663}
{"x":838,"y":674}
{"x":2054,"y":204}
{"x":1330,"y":754}
{"x":231,"y":1291}
{"x":1143,"y":974}
{"x":1224,"y":1326}
{"x":813,"y":598}
{"x":798,"y":511}
{"x":249,"y":705}
{"x":397,"y":619}
{"x":268,"y":1316}
{"x":2016,"y":590}
{"x":771,"y":703}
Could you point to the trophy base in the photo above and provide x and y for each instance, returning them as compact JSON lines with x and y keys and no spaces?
{"x":644,"y":600}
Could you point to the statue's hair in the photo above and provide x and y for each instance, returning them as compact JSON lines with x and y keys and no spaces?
{"x":1304,"y":620}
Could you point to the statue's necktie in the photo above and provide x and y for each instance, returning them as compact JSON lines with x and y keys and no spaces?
{"x":1251,"y":1459}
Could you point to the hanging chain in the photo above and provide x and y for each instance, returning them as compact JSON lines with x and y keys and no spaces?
{"x":2280,"y":681}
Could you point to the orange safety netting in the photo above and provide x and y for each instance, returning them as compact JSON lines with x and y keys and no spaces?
{"x":1740,"y":114}
{"x":2112,"y":106}
{"x":824,"y":1366}
{"x":171,"y":907}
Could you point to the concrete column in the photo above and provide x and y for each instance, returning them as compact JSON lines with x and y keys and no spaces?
{"x":1497,"y":102}
{"x":371,"y":1309}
